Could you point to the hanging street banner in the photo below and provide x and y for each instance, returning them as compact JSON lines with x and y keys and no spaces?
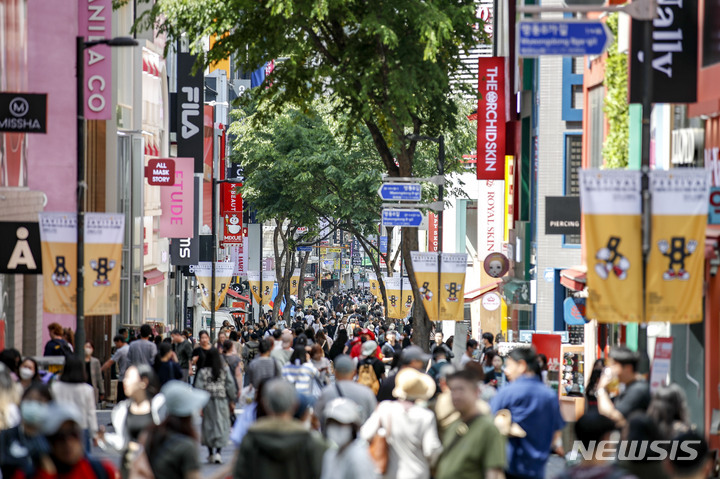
{"x":426,"y":276}
{"x":268,"y":283}
{"x":58,"y":236}
{"x":223,"y":279}
{"x":611,"y":209}
{"x":400,"y":297}
{"x":452,"y":284}
{"x":254,"y":283}
{"x":104,"y":233}
{"x":177,"y":202}
{"x":295,"y":282}
{"x":375,"y":286}
{"x":491,"y":118}
{"x":675,"y":269}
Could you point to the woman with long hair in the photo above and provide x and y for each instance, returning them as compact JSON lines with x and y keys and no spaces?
{"x":591,"y":386}
{"x":171,"y":447}
{"x":132,"y":417}
{"x":73,"y":388}
{"x":215,"y":378}
{"x":28,"y":372}
{"x":668,"y":409}
{"x":165,"y":365}
{"x":323,"y":341}
{"x":339,"y":345}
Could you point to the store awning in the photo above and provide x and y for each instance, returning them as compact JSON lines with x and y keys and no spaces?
{"x":574,"y":279}
{"x":153,"y":276}
{"x":476,"y":294}
{"x":237,"y":295}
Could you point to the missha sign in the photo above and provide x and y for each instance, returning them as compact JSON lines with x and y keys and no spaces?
{"x":491,"y":119}
{"x":94,"y":17}
{"x":675,"y":54}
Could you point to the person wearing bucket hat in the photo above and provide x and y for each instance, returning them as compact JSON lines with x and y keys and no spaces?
{"x":62,"y":429}
{"x":409,"y":428}
{"x":349,"y":458}
{"x":172,"y":447}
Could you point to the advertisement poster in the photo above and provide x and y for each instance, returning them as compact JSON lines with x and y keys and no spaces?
{"x":611,"y":207}
{"x":104,"y":234}
{"x":452,"y":286}
{"x":426,"y":275}
{"x":223,"y":279}
{"x":177,"y":202}
{"x":268,"y":283}
{"x":400,"y":297}
{"x":551,"y":346}
{"x":660,"y":370}
{"x":374,"y":286}
{"x":295,"y":282}
{"x":675,"y":269}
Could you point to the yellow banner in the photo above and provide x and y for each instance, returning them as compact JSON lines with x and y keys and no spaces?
{"x":400,"y":297}
{"x":426,"y":276}
{"x":675,"y":269}
{"x":223,"y":279}
{"x":611,"y":207}
{"x":104,"y":234}
{"x":295,"y":282}
{"x":268,"y":282}
{"x":254,"y":283}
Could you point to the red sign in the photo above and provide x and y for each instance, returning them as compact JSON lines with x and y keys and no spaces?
{"x":160,"y":172}
{"x":491,"y":119}
{"x":433,"y":237}
{"x":233,"y":212}
{"x":551,"y":346}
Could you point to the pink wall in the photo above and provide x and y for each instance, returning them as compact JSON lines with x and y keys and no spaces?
{"x":52,"y":27}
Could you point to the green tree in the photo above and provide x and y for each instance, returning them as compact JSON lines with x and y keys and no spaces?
{"x":386,"y":66}
{"x":616,"y":147}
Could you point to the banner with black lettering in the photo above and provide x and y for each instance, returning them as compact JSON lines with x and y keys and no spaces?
{"x":104,"y":233}
{"x":58,"y":240}
{"x":675,"y":269}
{"x":223,"y":279}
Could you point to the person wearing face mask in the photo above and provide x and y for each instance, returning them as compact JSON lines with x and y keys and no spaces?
{"x":28,"y":373}
{"x":93,"y":375}
{"x":23,"y":450}
{"x":349,"y":458}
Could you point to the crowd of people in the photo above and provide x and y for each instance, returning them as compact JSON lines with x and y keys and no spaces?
{"x":336,"y":391}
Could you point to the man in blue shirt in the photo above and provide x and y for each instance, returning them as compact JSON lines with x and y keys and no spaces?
{"x":536,"y":408}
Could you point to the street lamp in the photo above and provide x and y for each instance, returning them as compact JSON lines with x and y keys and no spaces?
{"x":213,"y":238}
{"x":80,"y":46}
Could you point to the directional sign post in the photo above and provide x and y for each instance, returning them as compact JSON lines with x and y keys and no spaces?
{"x":406,"y":218}
{"x":400,"y":191}
{"x":566,"y":38}
{"x":304,"y":248}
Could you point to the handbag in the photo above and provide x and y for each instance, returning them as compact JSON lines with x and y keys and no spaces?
{"x":379,"y":448}
{"x":140,"y":467}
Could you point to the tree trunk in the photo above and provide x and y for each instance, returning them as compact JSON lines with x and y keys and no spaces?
{"x":301,"y":287}
{"x":286,"y":282}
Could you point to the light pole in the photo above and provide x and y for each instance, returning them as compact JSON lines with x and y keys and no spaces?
{"x":213,"y":238}
{"x":80,"y":46}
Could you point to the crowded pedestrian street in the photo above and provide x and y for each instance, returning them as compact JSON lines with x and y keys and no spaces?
{"x":407,"y":239}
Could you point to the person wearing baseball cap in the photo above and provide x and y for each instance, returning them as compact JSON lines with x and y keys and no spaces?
{"x":350,"y":456}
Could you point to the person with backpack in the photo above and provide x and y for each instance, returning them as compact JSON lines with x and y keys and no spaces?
{"x":262,"y":367}
{"x":57,"y":346}
{"x":250,"y":350}
{"x":370,"y":369}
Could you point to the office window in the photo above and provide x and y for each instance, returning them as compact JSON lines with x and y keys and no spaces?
{"x":596,"y":126}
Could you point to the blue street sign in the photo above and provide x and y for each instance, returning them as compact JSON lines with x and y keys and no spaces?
{"x":567,"y":38}
{"x":397,"y":217}
{"x":304,"y":248}
{"x":400,"y":192}
{"x":383,"y":244}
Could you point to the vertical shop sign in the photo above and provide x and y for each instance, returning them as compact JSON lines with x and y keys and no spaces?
{"x":177,"y":202}
{"x":190,"y":99}
{"x":675,"y":269}
{"x":661,"y":363}
{"x":491,"y":119}
{"x":611,"y":207}
{"x":94,"y":23}
{"x":186,"y":251}
{"x":232,"y":214}
{"x":491,"y":212}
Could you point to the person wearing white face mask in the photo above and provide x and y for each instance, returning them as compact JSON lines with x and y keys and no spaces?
{"x":28,"y":372}
{"x":350,"y":458}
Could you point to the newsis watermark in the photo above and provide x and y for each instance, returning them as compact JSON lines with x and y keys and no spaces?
{"x":635,"y":450}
